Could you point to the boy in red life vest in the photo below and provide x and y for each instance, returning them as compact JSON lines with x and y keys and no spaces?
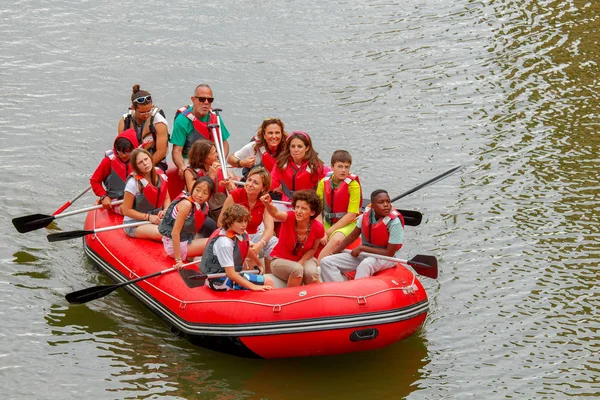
{"x":113,"y":170}
{"x":226,"y":251}
{"x":341,"y":195}
{"x":382,"y":231}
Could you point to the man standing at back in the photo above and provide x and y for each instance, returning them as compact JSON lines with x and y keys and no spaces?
{"x":191,"y":124}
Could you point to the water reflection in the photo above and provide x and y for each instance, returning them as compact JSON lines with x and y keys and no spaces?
{"x":146,"y":360}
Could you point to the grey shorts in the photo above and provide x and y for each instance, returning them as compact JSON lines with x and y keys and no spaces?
{"x":130,"y":231}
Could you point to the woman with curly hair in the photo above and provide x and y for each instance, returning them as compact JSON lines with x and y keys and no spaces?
{"x":299,"y":237}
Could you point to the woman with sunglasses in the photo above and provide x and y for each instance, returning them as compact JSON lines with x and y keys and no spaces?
{"x":299,"y":237}
{"x":191,"y":124}
{"x":298,"y":166}
{"x":150,"y":126}
{"x":263,"y":149}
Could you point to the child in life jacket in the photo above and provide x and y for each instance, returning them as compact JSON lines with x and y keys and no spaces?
{"x":341,"y":195}
{"x":146,"y":197}
{"x":382,"y":231}
{"x":108,"y":180}
{"x":182,"y":220}
{"x":226,"y":252}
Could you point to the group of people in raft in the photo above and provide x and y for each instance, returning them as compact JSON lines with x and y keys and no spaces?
{"x":325,"y":202}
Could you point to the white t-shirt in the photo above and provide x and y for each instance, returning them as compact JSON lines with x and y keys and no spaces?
{"x":223,"y":249}
{"x":159,"y":119}
{"x":248,"y":151}
{"x":131,"y":187}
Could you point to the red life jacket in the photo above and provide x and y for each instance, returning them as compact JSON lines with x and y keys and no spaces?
{"x":268,"y":159}
{"x":198,"y":172}
{"x":256,"y":214}
{"x":377,"y":234}
{"x":336,"y":201}
{"x":294,"y":178}
{"x":115,"y":181}
{"x":152,"y":198}
{"x":200,"y":128}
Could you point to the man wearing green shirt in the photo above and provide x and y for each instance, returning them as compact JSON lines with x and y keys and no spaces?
{"x":191,"y":124}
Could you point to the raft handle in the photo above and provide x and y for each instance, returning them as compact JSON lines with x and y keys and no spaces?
{"x":364,"y":334}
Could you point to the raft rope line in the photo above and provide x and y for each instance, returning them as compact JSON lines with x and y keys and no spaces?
{"x":276,"y":307}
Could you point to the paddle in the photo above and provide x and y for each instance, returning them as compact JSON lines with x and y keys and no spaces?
{"x":56,"y":237}
{"x":32,"y":222}
{"x":97,"y":292}
{"x":429,"y":182}
{"x":69,"y":202}
{"x":422,"y":264}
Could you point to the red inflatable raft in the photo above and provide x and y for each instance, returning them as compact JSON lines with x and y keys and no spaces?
{"x":320,"y":319}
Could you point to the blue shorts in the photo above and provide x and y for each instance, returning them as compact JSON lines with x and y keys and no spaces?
{"x":223,"y":284}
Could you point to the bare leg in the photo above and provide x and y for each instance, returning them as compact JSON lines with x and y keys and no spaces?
{"x":333,"y":242}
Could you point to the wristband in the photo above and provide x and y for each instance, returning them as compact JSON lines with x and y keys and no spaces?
{"x":178,"y":259}
{"x":239,"y":163}
{"x":263,"y":242}
{"x":103,"y":197}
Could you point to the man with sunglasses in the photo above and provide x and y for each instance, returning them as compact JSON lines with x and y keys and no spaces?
{"x":150,"y":125}
{"x":191,"y":124}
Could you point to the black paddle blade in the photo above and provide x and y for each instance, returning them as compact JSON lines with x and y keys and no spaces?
{"x":32,"y":222}
{"x":411,"y":218}
{"x":425,"y":265}
{"x":57,"y":237}
{"x":89,"y":294}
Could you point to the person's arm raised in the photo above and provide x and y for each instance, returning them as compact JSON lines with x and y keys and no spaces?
{"x":272,"y":210}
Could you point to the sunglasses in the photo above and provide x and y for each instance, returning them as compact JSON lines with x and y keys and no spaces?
{"x":204,"y":99}
{"x":143,"y":99}
{"x":125,"y":152}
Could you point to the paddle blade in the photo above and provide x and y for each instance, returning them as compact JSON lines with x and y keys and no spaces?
{"x":411,"y":218}
{"x":57,"y":237}
{"x":32,"y":222}
{"x":89,"y":294}
{"x":425,"y":265}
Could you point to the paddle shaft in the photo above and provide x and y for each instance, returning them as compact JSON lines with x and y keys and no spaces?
{"x":56,"y":237}
{"x":422,"y":264}
{"x":382,"y":257}
{"x":429,"y":182}
{"x":69,"y":202}
{"x":82,"y":210}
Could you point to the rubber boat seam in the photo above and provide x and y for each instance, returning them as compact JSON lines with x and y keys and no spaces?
{"x":264,"y":328}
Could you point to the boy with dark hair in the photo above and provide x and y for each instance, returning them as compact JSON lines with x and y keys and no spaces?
{"x":382,"y":231}
{"x":341,"y":195}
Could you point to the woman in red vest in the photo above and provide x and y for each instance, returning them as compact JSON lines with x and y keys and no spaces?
{"x":263,"y":149}
{"x":146,"y":196}
{"x":298,"y":166}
